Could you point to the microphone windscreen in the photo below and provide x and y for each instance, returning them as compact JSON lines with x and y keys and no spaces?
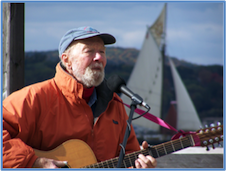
{"x":114,"y":83}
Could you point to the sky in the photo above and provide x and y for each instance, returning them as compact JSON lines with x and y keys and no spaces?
{"x":194,"y":30}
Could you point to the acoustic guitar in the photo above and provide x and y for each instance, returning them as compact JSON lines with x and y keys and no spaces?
{"x":79,"y":154}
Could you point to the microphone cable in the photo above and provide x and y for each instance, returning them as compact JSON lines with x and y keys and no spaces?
{"x":142,"y":114}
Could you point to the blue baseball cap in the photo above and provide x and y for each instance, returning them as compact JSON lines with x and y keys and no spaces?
{"x":83,"y":33}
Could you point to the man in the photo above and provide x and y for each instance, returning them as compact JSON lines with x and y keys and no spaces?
{"x":75,"y":104}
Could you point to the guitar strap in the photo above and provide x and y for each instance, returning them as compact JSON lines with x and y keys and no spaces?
{"x":159,"y":121}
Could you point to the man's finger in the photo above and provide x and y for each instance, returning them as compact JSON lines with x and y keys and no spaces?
{"x":153,"y":161}
{"x":145,"y":144}
{"x":61,"y":164}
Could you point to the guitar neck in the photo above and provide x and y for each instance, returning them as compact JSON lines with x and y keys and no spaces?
{"x":155,"y":151}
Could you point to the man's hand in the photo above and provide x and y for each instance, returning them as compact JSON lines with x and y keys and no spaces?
{"x":145,"y":161}
{"x":42,"y":162}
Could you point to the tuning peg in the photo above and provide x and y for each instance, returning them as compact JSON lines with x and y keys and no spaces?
{"x":212,"y":125}
{"x":201,"y":131}
{"x":207,"y":130}
{"x":211,"y":141}
{"x":219,"y":128}
{"x":219,"y":144}
{"x":213,"y":130}
{"x":206,"y":126}
{"x":216,"y":139}
{"x":218,"y":123}
{"x":205,"y":142}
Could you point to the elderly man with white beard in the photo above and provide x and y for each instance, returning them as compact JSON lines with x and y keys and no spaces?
{"x":75,"y":104}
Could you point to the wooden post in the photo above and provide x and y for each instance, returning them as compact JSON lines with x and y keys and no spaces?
{"x":13,"y":47}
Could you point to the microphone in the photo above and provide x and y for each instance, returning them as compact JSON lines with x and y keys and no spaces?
{"x":117,"y":84}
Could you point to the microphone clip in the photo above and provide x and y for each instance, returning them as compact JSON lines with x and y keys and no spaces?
{"x":137,"y":99}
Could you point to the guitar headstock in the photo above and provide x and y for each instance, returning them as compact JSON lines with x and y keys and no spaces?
{"x":211,"y":135}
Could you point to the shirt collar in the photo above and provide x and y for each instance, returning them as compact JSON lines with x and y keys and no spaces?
{"x":93,"y":98}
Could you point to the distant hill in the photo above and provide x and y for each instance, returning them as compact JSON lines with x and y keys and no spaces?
{"x":204,"y":83}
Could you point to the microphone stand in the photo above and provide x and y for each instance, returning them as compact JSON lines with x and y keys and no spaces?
{"x":136,"y":100}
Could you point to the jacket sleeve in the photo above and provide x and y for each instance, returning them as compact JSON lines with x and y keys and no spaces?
{"x":16,"y":154}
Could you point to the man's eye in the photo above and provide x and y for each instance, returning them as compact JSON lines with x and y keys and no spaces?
{"x":89,"y":51}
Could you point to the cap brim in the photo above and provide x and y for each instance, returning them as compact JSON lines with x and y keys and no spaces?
{"x":107,"y":38}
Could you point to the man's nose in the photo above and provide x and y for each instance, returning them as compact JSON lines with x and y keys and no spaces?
{"x":99,"y":56}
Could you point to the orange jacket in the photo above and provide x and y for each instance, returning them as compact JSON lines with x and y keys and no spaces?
{"x":46,"y":114}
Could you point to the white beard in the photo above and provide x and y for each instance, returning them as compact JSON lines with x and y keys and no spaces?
{"x":91,"y":77}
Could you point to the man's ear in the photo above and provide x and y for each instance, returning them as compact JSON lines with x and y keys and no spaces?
{"x":66,"y":61}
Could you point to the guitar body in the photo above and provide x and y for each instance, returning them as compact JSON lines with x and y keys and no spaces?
{"x":76,"y":152}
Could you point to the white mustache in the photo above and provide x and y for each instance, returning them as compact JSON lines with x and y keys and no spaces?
{"x":96,"y":65}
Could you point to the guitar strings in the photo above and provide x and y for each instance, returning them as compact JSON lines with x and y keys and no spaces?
{"x":157,"y":151}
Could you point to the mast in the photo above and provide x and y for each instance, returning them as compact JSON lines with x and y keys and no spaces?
{"x":163,"y":61}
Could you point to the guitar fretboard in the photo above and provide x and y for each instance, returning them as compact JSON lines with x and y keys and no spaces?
{"x":155,"y":151}
{"x":171,"y":146}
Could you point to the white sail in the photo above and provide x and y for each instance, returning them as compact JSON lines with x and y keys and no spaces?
{"x":146,"y":80}
{"x":187,"y":117}
{"x":159,"y":26}
{"x":146,"y":77}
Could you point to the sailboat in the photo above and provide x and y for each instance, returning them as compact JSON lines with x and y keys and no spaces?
{"x":146,"y":79}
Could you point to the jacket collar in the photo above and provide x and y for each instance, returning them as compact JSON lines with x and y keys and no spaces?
{"x":67,"y":83}
{"x":71,"y":88}
{"x":104,"y":96}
